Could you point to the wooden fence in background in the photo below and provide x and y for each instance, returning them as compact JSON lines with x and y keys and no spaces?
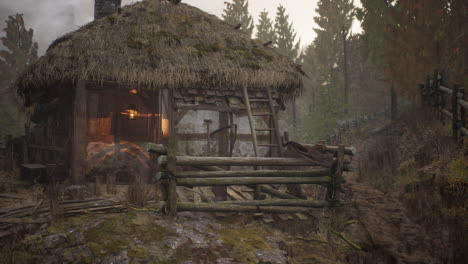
{"x":259,"y":180}
{"x":345,"y":126}
{"x":451,"y":103}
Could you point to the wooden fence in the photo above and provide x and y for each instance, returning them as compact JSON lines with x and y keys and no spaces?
{"x":345,"y":126}
{"x":435,"y":92}
{"x":213,"y":175}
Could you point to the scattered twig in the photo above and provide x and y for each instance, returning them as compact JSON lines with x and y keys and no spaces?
{"x":343,"y":237}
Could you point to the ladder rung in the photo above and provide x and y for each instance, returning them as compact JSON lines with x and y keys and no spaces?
{"x":262,"y":114}
{"x":265,"y":129}
{"x":269,"y":145}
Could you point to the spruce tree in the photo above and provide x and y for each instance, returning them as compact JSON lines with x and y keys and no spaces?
{"x":285,"y":35}
{"x":20,"y":51}
{"x":236,"y":13}
{"x":265,"y":29}
{"x":323,"y":61}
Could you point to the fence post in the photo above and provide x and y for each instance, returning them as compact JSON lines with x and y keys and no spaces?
{"x":455,"y":112}
{"x":337,"y":173}
{"x":171,"y":181}
{"x":462,"y":109}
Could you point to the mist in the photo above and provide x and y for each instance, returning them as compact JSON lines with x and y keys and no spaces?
{"x":51,"y":19}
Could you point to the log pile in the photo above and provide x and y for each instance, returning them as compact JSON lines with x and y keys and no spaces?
{"x":40,"y":214}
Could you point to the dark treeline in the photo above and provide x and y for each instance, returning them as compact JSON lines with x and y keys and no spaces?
{"x":402,"y":41}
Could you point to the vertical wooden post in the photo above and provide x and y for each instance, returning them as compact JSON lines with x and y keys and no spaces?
{"x":223,"y":151}
{"x":9,"y":152}
{"x":455,"y":112}
{"x":462,"y":109}
{"x":171,"y":160}
{"x":79,"y":134}
{"x":337,"y":174}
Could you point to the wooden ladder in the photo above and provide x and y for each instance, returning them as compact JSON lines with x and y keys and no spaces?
{"x":274,"y":129}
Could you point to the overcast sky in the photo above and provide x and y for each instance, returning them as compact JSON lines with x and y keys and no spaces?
{"x":52,"y":18}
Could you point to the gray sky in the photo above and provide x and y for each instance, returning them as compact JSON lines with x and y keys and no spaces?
{"x":52,"y":18}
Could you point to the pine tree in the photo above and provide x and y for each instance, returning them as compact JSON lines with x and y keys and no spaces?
{"x":323,"y":61}
{"x":20,"y":51}
{"x":285,"y":35}
{"x":236,"y":13}
{"x":265,"y":29}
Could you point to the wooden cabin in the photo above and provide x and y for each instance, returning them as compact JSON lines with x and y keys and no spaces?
{"x":139,"y":74}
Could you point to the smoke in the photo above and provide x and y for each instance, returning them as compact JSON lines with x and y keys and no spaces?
{"x":49,"y":19}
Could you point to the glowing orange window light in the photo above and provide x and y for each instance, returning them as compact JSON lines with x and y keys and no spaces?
{"x":165,"y":127}
{"x":132,"y":112}
{"x":133,"y":91}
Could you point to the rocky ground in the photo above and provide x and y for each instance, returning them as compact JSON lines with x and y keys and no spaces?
{"x":378,"y":224}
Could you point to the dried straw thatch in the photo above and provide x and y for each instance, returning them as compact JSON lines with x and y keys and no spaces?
{"x":153,"y":45}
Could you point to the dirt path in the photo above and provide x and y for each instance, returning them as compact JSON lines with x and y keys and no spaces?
{"x":383,"y":227}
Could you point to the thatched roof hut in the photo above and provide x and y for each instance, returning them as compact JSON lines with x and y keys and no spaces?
{"x":155,"y":45}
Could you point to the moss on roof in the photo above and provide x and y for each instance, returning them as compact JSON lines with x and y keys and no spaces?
{"x":154,"y":45}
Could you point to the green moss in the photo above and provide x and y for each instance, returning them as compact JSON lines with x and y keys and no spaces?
{"x":87,"y":259}
{"x":252,"y":65}
{"x":180,"y":256}
{"x":458,"y":171}
{"x":245,"y":243}
{"x":67,"y":223}
{"x":22,"y":255}
{"x":117,"y":233}
{"x":457,"y":178}
{"x":252,"y":56}
{"x":111,"y":19}
{"x":261,"y":54}
{"x":207,"y":47}
{"x":146,"y":230}
{"x":136,"y":43}
{"x":139,"y":252}
{"x":168,"y":38}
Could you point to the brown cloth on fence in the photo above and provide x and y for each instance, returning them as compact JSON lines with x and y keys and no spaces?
{"x":318,"y":154}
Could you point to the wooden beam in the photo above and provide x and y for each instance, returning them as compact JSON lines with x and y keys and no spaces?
{"x":282,"y":202}
{"x":43,"y":147}
{"x":450,"y":91}
{"x":276,"y":193}
{"x":236,"y":161}
{"x":218,"y":207}
{"x":208,"y":108}
{"x":348,"y":150}
{"x":79,"y":142}
{"x":192,"y":182}
{"x":254,"y":173}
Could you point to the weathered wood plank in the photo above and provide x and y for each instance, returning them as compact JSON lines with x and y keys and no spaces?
{"x":254,"y":173}
{"x":449,"y":91}
{"x":217,"y":207}
{"x":236,"y":161}
{"x":276,"y":193}
{"x":191,"y":182}
{"x":282,"y":202}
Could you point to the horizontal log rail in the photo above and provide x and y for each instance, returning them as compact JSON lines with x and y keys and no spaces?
{"x":449,"y":91}
{"x":44,"y":147}
{"x":253,"y":173}
{"x":285,"y":202}
{"x":217,"y":207}
{"x":235,"y":161}
{"x":193,"y":182}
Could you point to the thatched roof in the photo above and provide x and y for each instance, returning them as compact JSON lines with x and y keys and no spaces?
{"x":153,"y":45}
